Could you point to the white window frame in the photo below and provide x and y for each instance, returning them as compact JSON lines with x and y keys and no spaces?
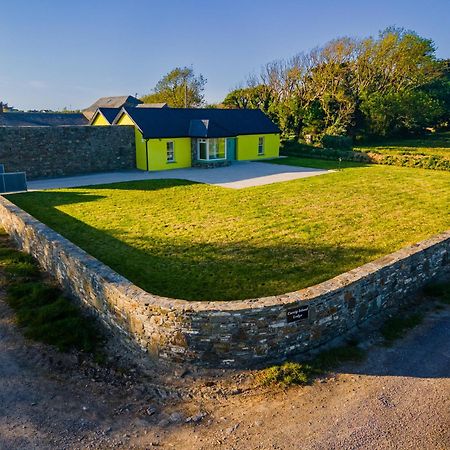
{"x":207,"y":141}
{"x":261,"y":145}
{"x":172,"y":160}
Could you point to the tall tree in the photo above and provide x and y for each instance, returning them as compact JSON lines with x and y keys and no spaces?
{"x":385,"y":85}
{"x":180,"y":88}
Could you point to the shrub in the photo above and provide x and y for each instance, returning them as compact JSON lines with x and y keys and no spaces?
{"x":439,"y":290}
{"x":287,"y":374}
{"x":294,"y":373}
{"x":337,"y":142}
{"x":396,"y":327}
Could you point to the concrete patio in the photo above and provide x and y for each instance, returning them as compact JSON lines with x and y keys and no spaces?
{"x":237,"y":176}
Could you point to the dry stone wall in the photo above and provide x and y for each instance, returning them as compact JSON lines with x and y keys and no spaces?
{"x":66,"y":150}
{"x":235,"y":333}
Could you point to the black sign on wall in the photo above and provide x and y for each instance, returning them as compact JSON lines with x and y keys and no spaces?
{"x":297,"y":313}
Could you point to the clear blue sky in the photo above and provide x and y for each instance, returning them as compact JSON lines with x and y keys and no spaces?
{"x":57,"y":53}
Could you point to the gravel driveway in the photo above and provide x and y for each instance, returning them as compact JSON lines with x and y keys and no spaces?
{"x":239,"y":175}
{"x":397,"y":399}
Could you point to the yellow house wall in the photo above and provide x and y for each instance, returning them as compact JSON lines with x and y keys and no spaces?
{"x":100,"y":121}
{"x":139,"y":140}
{"x":157,"y":152}
{"x":247,"y":146}
{"x":125,"y":120}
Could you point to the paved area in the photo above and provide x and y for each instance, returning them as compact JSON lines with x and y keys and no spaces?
{"x":239,"y":175}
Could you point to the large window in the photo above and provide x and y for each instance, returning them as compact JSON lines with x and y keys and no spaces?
{"x":211,"y":149}
{"x":170,"y":151}
{"x":261,"y":145}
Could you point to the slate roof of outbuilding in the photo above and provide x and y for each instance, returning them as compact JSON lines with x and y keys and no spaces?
{"x":24,"y":119}
{"x":110,"y":102}
{"x":198,"y":122}
{"x":152,"y":105}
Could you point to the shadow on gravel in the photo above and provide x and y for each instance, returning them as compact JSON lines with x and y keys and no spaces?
{"x":423,"y":353}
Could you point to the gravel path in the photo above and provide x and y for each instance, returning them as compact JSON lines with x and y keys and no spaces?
{"x":397,"y":399}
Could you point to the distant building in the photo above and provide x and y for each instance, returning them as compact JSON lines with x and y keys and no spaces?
{"x":32,"y":119}
{"x":110,"y":102}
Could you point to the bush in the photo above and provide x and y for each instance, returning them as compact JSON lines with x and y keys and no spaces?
{"x":287,"y":374}
{"x":337,"y":142}
{"x":397,"y":327}
{"x":295,"y":373}
{"x":418,"y":161}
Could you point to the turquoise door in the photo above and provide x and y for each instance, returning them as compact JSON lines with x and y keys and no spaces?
{"x":231,"y":149}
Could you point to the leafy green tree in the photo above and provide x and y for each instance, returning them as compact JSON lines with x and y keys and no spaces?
{"x":252,"y":97}
{"x":400,"y":113}
{"x":439,"y":89}
{"x":181,"y":87}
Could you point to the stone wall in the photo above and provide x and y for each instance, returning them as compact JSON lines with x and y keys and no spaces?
{"x":66,"y":150}
{"x":235,"y":333}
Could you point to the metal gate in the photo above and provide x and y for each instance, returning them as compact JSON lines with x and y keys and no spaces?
{"x":12,"y":182}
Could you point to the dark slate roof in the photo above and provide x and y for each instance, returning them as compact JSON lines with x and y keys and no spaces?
{"x":110,"y":102}
{"x":187,"y":122}
{"x":23,"y":119}
{"x":108,"y":113}
{"x":152,"y":105}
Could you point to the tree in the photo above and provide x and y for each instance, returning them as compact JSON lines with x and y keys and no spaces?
{"x":385,"y":85}
{"x":252,"y":97}
{"x":179,"y":88}
{"x":400,"y":113}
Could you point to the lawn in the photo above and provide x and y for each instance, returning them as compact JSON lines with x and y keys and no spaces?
{"x":431,"y":144}
{"x":199,"y":242}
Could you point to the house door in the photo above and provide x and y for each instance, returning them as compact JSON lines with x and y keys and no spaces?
{"x":231,"y":149}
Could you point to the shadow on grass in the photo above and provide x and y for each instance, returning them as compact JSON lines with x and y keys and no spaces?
{"x":179,"y":268}
{"x":142,"y":185}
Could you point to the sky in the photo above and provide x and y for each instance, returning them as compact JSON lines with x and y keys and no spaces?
{"x":67,"y":53}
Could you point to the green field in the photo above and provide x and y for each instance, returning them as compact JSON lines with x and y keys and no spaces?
{"x":199,"y":242}
{"x":431,"y":144}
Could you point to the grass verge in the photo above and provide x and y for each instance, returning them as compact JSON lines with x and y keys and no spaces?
{"x":41,"y":310}
{"x":303,"y":373}
{"x":396,"y":327}
{"x":441,"y":291}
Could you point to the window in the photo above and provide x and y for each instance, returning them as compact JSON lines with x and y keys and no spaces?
{"x":170,"y":151}
{"x":211,"y":149}
{"x":261,"y":145}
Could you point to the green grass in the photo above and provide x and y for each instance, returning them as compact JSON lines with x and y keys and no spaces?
{"x":432,"y":144}
{"x":440,"y":291}
{"x":295,"y":373}
{"x":41,"y":310}
{"x":398,"y":326}
{"x":199,"y":242}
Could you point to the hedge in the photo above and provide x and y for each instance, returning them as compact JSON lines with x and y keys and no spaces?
{"x":435,"y":162}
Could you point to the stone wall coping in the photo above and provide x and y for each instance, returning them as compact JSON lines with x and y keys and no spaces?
{"x":127,"y":289}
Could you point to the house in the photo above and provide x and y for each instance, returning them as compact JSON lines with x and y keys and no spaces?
{"x":110,"y":102}
{"x":169,"y":138}
{"x":105,"y":116}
